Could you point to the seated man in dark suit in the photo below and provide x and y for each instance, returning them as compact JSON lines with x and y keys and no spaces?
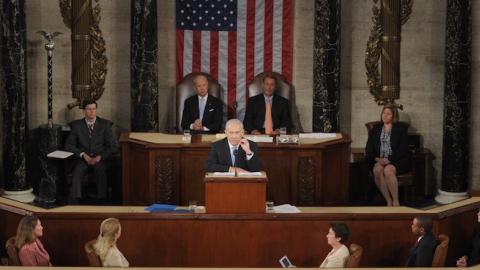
{"x":421,"y":254}
{"x":233,"y":153}
{"x":202,"y":113}
{"x":267,"y":112}
{"x":92,"y":142}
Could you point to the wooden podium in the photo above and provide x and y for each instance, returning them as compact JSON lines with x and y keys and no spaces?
{"x":235,"y":194}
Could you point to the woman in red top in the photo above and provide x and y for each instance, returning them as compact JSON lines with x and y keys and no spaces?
{"x":31,"y":250}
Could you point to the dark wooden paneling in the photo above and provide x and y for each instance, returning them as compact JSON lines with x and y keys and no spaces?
{"x":256,"y":240}
{"x":240,"y":196}
{"x":296,"y":173}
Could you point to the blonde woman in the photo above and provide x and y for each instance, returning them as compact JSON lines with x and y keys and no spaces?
{"x":106,"y":245}
{"x":31,"y":251}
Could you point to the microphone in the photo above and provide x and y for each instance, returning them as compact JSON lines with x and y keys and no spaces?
{"x":235,"y":154}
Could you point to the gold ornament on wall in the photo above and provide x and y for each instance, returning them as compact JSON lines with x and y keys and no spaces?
{"x":385,"y":86}
{"x":89,"y":60}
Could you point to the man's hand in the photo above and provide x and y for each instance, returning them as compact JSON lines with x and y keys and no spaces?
{"x":276,"y":132}
{"x":88,"y":159}
{"x":462,"y":262}
{"x":97,"y":159}
{"x":245,"y":146}
{"x":255,"y":132}
{"x":197,"y":125}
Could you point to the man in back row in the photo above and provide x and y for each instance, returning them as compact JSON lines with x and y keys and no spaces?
{"x":267,"y":112}
{"x":91,"y":140}
{"x":202,"y":113}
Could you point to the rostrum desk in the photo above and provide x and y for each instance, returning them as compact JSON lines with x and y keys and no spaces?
{"x":305,"y":174}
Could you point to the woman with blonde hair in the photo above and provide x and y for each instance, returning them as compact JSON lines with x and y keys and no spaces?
{"x":31,"y":251}
{"x":387,"y":153}
{"x":106,"y":245}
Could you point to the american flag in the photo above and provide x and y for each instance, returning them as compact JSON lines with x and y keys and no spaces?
{"x":234,"y":41}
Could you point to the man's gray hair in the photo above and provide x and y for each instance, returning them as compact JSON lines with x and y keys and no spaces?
{"x":233,"y":122}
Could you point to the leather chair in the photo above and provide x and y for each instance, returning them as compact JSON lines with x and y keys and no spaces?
{"x":406,"y":181}
{"x":12,"y":252}
{"x":186,"y":89}
{"x":441,"y":251}
{"x":355,"y":257}
{"x":284,"y":89}
{"x":93,"y":258}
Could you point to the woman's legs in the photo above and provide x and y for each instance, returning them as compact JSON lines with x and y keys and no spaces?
{"x":390,"y":173}
{"x":378,"y":174}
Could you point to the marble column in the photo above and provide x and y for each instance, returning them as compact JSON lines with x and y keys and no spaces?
{"x":144,"y":91}
{"x":456,"y":127}
{"x":326,"y":66}
{"x":14,"y":107}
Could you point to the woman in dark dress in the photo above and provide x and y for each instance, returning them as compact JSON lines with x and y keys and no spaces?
{"x":387,"y":153}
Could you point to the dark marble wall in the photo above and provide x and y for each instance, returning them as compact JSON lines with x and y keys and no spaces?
{"x":14,"y":106}
{"x":456,"y":127}
{"x":326,"y":66}
{"x":144,"y":80}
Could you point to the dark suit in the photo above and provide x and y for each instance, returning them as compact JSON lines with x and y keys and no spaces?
{"x":255,"y":113}
{"x":220,"y":160}
{"x":400,"y":157}
{"x":212,"y":115}
{"x":102,"y":143}
{"x":474,"y":254}
{"x":421,"y":255}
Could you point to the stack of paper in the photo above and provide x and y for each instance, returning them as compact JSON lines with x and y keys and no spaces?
{"x":260,"y":138}
{"x":286,"y":208}
{"x":317,"y":135}
{"x":249,"y":174}
{"x":59,"y":154}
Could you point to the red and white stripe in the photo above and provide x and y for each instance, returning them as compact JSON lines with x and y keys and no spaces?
{"x":262,"y":42}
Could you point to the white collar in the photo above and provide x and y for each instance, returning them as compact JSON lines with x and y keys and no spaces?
{"x":206,"y":97}
{"x":231,"y":145}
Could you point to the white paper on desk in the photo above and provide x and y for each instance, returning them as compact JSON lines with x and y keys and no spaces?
{"x":286,"y":208}
{"x":59,"y":154}
{"x":319,"y":135}
{"x":260,"y":138}
{"x":249,"y":174}
{"x":224,"y":174}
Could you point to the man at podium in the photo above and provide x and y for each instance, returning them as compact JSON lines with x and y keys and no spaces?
{"x":233,"y":153}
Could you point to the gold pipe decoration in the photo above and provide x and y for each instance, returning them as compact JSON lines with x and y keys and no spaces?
{"x":374,"y":51}
{"x":87,"y":81}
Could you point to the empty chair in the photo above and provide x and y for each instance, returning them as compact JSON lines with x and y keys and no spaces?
{"x":92,"y":256}
{"x":355,"y":257}
{"x":441,"y":251}
{"x":12,"y":252}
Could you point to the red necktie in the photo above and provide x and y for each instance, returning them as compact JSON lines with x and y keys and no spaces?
{"x":268,"y":117}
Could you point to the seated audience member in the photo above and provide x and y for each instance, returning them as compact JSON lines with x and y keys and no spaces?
{"x":202,"y":113}
{"x":473,"y":257}
{"x":92,"y":142}
{"x":421,"y":254}
{"x":106,"y":245}
{"x":387,"y":153}
{"x":337,"y":237}
{"x":31,"y":250}
{"x":234,"y":153}
{"x":267,"y":112}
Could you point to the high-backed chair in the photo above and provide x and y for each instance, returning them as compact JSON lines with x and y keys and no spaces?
{"x":93,"y":258}
{"x":441,"y":251}
{"x":355,"y":257}
{"x":284,"y":89}
{"x":186,"y":89}
{"x":406,"y":181}
{"x":12,"y":252}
